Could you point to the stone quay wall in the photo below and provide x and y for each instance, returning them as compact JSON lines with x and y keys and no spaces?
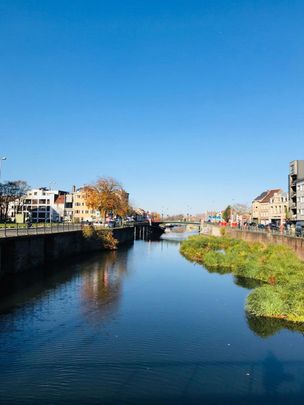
{"x":23,"y":253}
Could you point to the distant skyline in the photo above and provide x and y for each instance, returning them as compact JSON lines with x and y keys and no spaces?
{"x":192,"y":105}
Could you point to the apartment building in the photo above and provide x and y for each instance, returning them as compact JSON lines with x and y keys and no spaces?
{"x":81,"y":212}
{"x":41,"y":205}
{"x":296,"y":190}
{"x":270,"y":206}
{"x":279,"y":208}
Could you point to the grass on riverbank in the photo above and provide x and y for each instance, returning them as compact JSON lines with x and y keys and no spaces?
{"x":277,"y":266}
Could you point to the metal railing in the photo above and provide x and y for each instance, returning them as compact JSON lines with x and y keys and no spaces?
{"x":13,"y":230}
{"x":290,"y":231}
{"x":7,"y":230}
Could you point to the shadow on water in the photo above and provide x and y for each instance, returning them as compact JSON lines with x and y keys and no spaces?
{"x":101,"y":277}
{"x":274,"y":375}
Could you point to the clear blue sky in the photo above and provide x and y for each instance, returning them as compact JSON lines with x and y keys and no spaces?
{"x":190,"y":104}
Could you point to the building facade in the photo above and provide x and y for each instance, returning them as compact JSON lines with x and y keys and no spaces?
{"x":270,"y":207}
{"x":40,"y":205}
{"x":81,"y":212}
{"x":279,"y":208}
{"x":296,"y":190}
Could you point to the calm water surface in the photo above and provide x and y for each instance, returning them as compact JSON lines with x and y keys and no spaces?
{"x":142,"y":325}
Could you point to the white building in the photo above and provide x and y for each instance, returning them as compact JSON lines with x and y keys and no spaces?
{"x":43,"y":205}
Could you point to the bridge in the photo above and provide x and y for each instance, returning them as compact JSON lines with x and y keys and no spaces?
{"x":175,"y":223}
{"x":172,"y":224}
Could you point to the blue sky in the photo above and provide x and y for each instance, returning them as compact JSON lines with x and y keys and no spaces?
{"x":190,"y":104}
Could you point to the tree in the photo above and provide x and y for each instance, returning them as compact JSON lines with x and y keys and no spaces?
{"x":227,"y":213}
{"x":288,"y":215}
{"x":107,"y":195}
{"x":11,"y":192}
{"x":240,"y":209}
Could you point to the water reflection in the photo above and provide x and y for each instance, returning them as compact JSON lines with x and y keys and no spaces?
{"x":248,"y":283}
{"x":266,"y":327}
{"x":263,"y":327}
{"x":100,"y":277}
{"x":102,"y":284}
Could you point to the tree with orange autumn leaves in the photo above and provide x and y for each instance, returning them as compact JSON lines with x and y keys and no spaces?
{"x":107,"y":195}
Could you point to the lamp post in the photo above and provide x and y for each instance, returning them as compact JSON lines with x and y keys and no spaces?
{"x":50,"y":212}
{"x":1,"y":160}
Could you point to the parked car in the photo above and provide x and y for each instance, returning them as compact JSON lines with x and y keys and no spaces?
{"x":299,"y":229}
{"x":272,"y":227}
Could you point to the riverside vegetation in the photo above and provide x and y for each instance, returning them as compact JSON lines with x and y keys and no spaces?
{"x":280,"y":293}
{"x":104,"y":236}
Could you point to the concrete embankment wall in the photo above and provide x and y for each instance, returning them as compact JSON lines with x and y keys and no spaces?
{"x":297,"y":244}
{"x":211,"y":230}
{"x":26,"y":252}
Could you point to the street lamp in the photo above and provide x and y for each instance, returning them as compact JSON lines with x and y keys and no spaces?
{"x":50,"y":211}
{"x":1,"y":160}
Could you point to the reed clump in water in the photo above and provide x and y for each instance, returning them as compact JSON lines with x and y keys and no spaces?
{"x":277,"y":266}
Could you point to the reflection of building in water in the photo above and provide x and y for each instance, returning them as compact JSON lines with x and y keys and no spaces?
{"x":102,"y":284}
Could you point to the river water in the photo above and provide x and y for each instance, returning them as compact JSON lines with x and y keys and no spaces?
{"x":142,"y":325}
